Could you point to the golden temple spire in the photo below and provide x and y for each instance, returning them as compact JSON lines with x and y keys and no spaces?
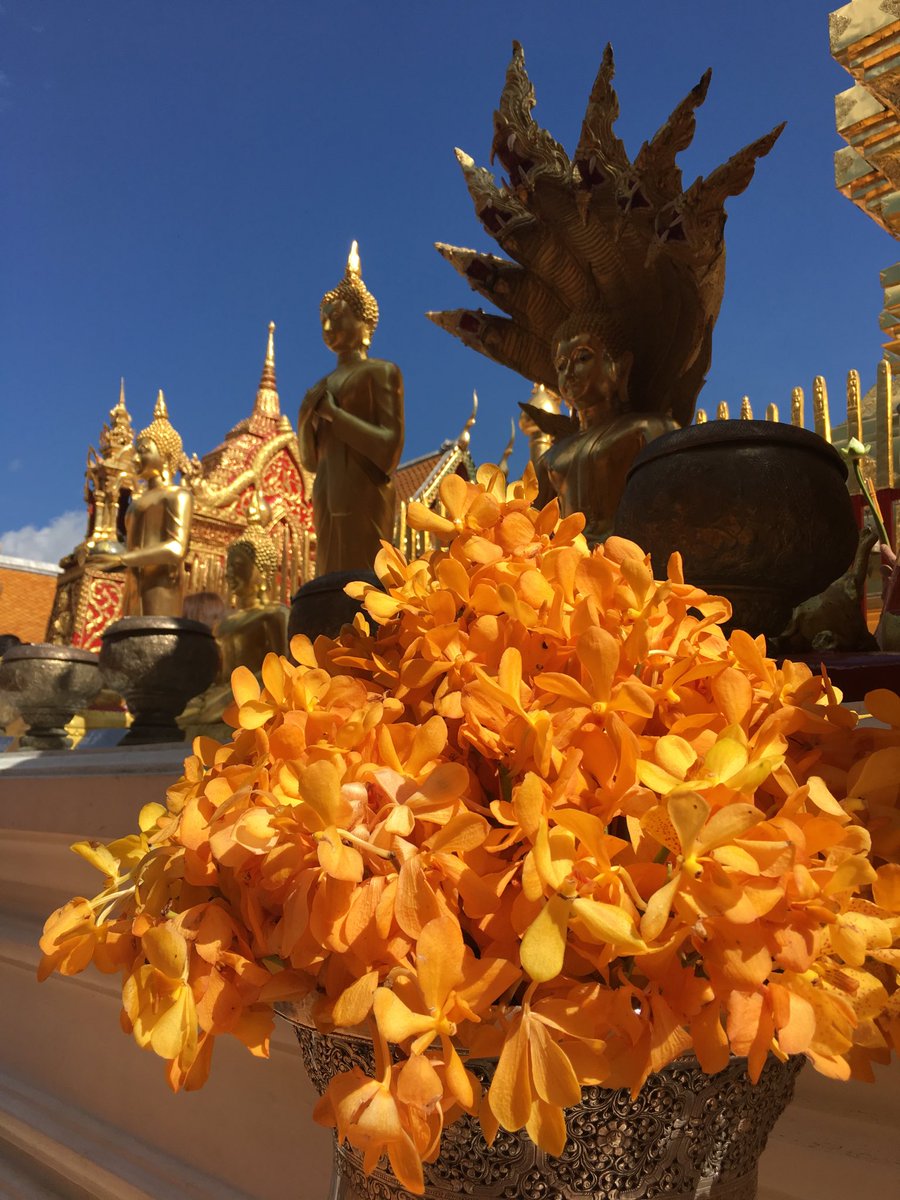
{"x":267,"y":402}
{"x":121,"y":404}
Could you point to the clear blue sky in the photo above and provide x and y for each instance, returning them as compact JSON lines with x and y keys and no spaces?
{"x":178,"y":174}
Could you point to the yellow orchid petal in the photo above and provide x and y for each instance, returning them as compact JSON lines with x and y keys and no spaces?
{"x":884,"y":706}
{"x":320,"y":787}
{"x":395,"y":1020}
{"x":244,"y":685}
{"x":510,"y":1096}
{"x":554,"y":1079}
{"x":546,"y":1127}
{"x":355,"y":1002}
{"x":439,"y":958}
{"x":725,"y":758}
{"x":688,"y":813}
{"x":166,"y":950}
{"x":725,"y":825}
{"x":543,"y":947}
{"x":98,"y":856}
{"x":528,"y":803}
{"x":675,"y":755}
{"x":607,"y":924}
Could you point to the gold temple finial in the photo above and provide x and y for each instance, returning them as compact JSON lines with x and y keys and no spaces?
{"x":746,"y":410}
{"x":701,"y":418}
{"x":466,"y":436}
{"x":722,"y":411}
{"x":797,"y":407}
{"x":772,"y":412}
{"x":353,"y":266}
{"x":504,"y":457}
{"x":121,"y":404}
{"x":821,"y":414}
{"x":884,"y":427}
{"x":267,"y":402}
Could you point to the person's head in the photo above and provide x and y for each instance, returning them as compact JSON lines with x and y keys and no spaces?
{"x":208,"y":607}
{"x":349,"y":311}
{"x":7,"y":641}
{"x":158,"y":447}
{"x":250,"y":566}
{"x":592,"y":362}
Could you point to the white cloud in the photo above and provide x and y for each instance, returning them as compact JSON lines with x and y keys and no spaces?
{"x":60,"y":536}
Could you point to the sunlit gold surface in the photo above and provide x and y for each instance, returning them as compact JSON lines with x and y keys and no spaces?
{"x":609,"y":260}
{"x":109,"y":474}
{"x":350,"y":433}
{"x":157,"y":523}
{"x":254,"y":628}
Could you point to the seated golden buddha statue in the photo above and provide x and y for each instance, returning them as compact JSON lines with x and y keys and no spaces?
{"x":253,"y":628}
{"x":612,"y":284}
{"x":350,"y":432}
{"x":157,"y":524}
{"x":587,"y":465}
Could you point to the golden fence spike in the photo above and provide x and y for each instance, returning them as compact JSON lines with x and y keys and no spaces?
{"x":746,"y":410}
{"x":797,"y":407}
{"x":701,"y":417}
{"x":722,"y":411}
{"x":854,"y":410}
{"x":821,"y":415}
{"x":772,"y":412}
{"x":884,"y":427}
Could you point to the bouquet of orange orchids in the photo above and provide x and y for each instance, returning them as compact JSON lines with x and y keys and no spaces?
{"x":537,"y":807}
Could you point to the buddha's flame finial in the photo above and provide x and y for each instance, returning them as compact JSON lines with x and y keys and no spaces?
{"x":353,"y":267}
{"x":466,"y":436}
{"x":160,"y":411}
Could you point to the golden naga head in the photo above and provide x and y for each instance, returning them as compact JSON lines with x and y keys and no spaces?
{"x":163,"y":435}
{"x":354,"y":293}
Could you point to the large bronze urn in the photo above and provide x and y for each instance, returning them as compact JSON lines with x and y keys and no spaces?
{"x":759,"y":510}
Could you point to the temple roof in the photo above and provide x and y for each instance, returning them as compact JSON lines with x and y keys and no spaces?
{"x":242,"y":443}
{"x":419,"y":478}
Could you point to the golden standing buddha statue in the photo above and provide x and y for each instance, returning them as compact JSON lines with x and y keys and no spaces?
{"x":612,"y":286}
{"x":157,"y":524}
{"x":350,"y":432}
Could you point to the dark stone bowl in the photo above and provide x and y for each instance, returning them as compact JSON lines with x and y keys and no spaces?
{"x":759,"y":510}
{"x":157,"y":664}
{"x":321,"y":606}
{"x":47,"y":685}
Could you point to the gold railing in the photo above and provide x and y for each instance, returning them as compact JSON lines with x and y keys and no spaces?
{"x":882,"y":441}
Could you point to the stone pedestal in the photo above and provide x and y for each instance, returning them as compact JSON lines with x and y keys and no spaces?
{"x":47,"y":685}
{"x":157,"y":664}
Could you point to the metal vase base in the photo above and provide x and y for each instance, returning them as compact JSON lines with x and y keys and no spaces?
{"x":685,"y":1136}
{"x":47,"y":685}
{"x":157,"y":664}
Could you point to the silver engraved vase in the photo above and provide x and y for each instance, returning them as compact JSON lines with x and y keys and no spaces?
{"x":687,"y":1135}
